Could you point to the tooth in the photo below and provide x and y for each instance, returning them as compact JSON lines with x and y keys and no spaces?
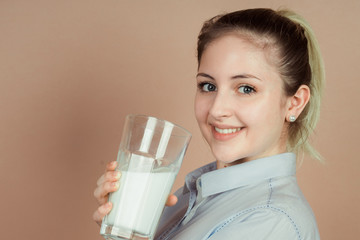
{"x":227,"y":131}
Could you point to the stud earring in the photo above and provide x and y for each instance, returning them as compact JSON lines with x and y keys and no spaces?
{"x":292,"y":118}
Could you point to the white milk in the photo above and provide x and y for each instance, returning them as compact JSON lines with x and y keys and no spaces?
{"x":139,"y":202}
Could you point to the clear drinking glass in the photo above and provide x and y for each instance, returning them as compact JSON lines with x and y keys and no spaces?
{"x":149,"y":158}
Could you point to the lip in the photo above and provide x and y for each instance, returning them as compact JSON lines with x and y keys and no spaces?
{"x":226,"y":135}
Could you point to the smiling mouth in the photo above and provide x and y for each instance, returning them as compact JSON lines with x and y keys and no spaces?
{"x":227,"y":130}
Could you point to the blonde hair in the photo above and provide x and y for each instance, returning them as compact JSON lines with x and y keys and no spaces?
{"x":299,"y":134}
{"x":298,"y":59}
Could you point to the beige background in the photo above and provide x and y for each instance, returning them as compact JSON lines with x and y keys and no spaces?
{"x":71,"y":70}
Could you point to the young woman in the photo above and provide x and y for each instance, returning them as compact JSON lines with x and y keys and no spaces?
{"x":260,"y":76}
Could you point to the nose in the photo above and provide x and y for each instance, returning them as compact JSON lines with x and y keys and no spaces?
{"x":221,"y":107}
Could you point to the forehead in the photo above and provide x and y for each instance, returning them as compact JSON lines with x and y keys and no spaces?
{"x":234,"y":53}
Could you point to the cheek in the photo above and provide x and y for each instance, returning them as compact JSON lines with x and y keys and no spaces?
{"x":262,"y":114}
{"x":201,"y":107}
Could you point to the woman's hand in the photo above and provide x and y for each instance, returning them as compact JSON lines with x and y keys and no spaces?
{"x":107,"y":183}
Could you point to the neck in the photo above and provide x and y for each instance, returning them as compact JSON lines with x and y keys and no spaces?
{"x":220,"y":164}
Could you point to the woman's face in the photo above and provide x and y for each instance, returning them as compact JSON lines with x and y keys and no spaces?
{"x":240,"y":105}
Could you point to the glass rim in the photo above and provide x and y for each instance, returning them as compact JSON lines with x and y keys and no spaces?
{"x":133,"y":116}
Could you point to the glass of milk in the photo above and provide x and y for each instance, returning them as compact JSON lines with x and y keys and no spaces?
{"x":149,"y":158}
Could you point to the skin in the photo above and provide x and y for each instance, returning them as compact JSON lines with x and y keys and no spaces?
{"x":241,"y":91}
{"x":238,"y":89}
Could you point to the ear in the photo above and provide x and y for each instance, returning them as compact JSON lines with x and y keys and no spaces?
{"x":297,"y":103}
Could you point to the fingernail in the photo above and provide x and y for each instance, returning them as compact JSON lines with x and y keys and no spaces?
{"x":117,"y":175}
{"x":115,"y":184}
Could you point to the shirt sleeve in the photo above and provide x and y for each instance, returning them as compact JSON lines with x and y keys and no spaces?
{"x":257,"y":225}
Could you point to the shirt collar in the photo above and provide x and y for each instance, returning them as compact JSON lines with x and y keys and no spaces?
{"x":191,"y":178}
{"x":215,"y":181}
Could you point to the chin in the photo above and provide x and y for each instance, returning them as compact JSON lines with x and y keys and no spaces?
{"x":227,"y":159}
{"x":235,"y":157}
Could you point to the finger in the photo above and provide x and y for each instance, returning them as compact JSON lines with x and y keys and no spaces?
{"x":101,"y":212}
{"x":101,"y":193}
{"x":171,"y":201}
{"x":110,"y":176}
{"x":101,"y":180}
{"x":111,"y":166}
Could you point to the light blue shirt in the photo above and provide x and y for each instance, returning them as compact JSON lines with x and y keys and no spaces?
{"x":254,"y":200}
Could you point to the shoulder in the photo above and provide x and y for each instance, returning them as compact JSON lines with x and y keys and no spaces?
{"x":285,"y":214}
{"x":263,"y":222}
{"x":287,"y":199}
{"x":256,"y":223}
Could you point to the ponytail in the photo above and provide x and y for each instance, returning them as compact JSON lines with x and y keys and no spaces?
{"x":316,"y":86}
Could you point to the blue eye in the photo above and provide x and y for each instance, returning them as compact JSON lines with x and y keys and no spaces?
{"x":246,"y":89}
{"x":207,"y":87}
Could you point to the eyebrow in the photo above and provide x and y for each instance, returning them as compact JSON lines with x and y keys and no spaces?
{"x":245,"y":76}
{"x":205,"y":75}
{"x":233,"y":77}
